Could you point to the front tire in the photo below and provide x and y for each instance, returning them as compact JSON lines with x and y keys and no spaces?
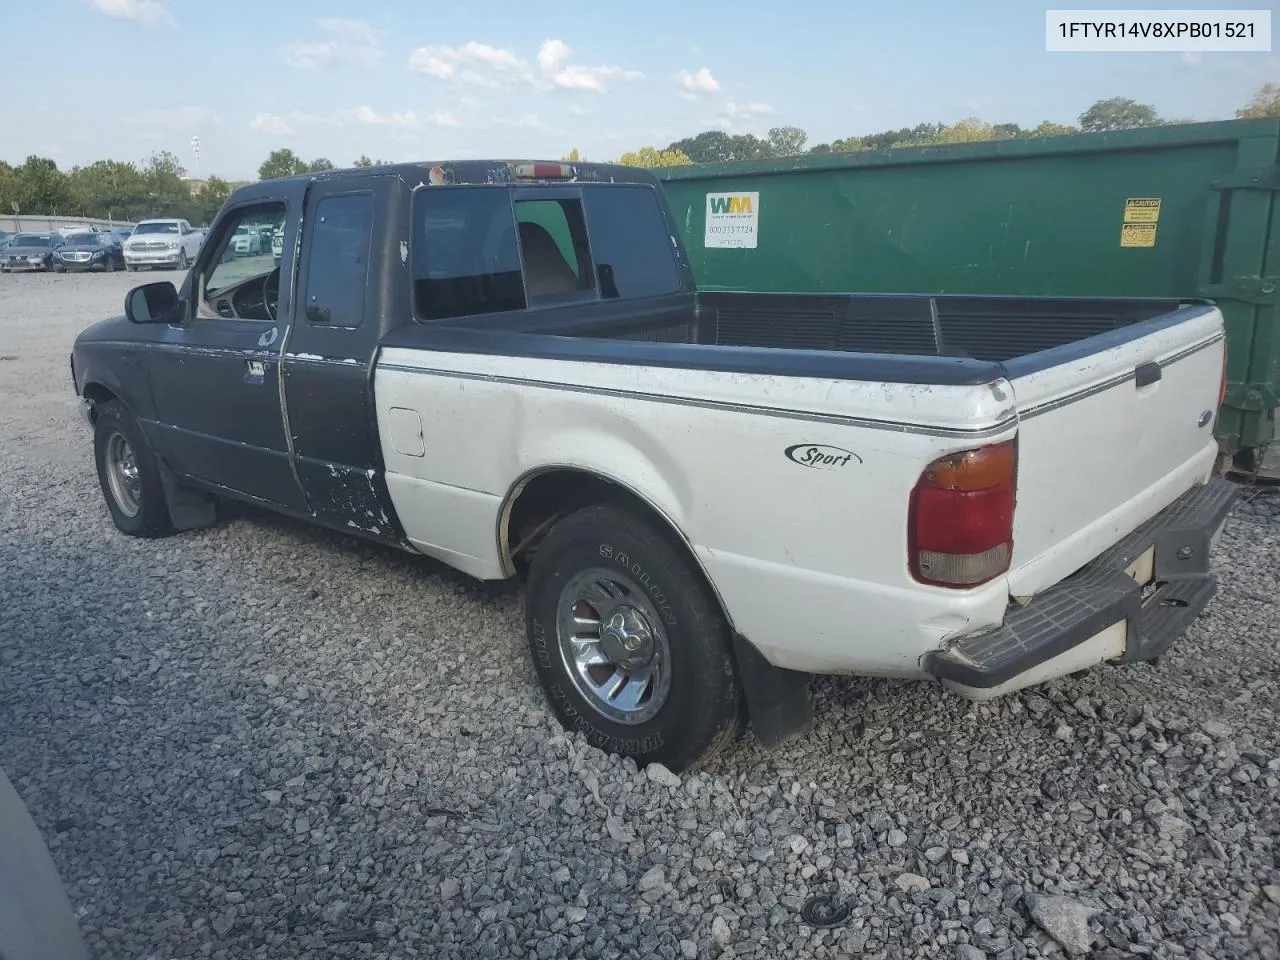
{"x":129,"y":474}
{"x":628,"y":641}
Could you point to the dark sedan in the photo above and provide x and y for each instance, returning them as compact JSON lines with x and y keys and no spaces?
{"x":90,"y":251}
{"x":31,"y":251}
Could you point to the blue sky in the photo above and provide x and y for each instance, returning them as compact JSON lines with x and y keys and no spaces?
{"x":410,"y":80}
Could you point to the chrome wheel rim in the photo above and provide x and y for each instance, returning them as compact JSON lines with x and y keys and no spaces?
{"x":122,"y":475}
{"x":614,"y":646}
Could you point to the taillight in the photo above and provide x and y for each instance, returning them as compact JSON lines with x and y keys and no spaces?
{"x":961,"y":517}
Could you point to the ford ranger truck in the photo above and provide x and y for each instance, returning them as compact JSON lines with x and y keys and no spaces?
{"x":709,"y":497}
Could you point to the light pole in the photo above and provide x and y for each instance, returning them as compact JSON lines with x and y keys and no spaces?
{"x":195,"y":150}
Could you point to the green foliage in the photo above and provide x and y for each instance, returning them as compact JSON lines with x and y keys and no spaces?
{"x":716,"y":146}
{"x":574,"y":157}
{"x":653,"y":157}
{"x":787,"y":141}
{"x":1118,"y":113}
{"x":211,"y":198}
{"x":1265,"y":103}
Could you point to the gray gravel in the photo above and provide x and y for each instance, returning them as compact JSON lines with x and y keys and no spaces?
{"x":263,"y":740}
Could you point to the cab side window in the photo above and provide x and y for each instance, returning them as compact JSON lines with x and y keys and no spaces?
{"x":231,"y":281}
{"x":338,"y":260}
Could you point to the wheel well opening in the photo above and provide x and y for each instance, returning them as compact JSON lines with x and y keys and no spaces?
{"x":548,"y":497}
{"x":97,"y":394}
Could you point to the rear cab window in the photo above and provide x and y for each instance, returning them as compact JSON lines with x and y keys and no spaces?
{"x":488,"y":249}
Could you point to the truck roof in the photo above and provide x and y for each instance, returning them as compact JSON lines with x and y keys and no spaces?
{"x":439,"y":172}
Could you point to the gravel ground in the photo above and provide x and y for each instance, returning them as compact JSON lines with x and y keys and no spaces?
{"x":263,"y":740}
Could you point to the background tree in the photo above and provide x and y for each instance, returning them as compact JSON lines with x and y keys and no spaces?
{"x":319,"y":165}
{"x":111,"y":189}
{"x":653,"y":157}
{"x":42,"y":187}
{"x":1265,"y":103}
{"x":364,"y":161}
{"x":716,"y":146}
{"x":281,"y":163}
{"x":1118,"y":113}
{"x":212,"y":197}
{"x":573,"y":157}
{"x":787,"y":141}
{"x":1050,"y":129}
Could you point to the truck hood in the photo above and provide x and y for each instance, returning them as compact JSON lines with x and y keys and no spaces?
{"x":108,"y":329}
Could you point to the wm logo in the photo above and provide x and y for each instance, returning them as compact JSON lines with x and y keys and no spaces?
{"x":730,"y":204}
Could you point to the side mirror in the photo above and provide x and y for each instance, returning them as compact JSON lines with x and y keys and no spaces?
{"x":153,"y":303}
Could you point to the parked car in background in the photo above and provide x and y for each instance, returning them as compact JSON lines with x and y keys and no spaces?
{"x":91,"y":251}
{"x":246,"y":242}
{"x":30,"y":252}
{"x":4,"y":239}
{"x":277,"y":243}
{"x":162,"y":243}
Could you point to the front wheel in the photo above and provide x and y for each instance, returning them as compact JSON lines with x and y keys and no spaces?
{"x":129,"y":474}
{"x":628,"y":642}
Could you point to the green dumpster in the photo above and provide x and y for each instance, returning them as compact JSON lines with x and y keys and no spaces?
{"x":1179,"y":211}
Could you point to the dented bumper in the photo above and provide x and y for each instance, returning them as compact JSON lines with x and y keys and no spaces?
{"x":1130,"y":604}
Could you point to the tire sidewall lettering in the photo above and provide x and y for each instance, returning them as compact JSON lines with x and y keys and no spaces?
{"x":642,"y":576}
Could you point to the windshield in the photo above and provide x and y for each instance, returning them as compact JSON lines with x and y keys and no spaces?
{"x":84,"y":240}
{"x":155,"y":228}
{"x":30,"y":240}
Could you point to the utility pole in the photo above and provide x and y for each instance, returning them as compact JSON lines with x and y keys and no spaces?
{"x":195,"y":149}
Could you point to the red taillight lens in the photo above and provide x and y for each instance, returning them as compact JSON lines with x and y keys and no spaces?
{"x":961,"y":517}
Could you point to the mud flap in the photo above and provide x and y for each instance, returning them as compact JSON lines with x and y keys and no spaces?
{"x":777,"y":699}
{"x":188,"y":509}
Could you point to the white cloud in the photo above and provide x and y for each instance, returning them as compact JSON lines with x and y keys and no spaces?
{"x":578,"y":110}
{"x":1192,"y":57}
{"x":442,"y":62}
{"x":556,"y":71}
{"x":746,"y":111}
{"x":350,"y":42}
{"x":686,"y":95}
{"x":146,"y":12}
{"x":530,"y":120}
{"x":481,"y":65}
{"x":180,"y":119}
{"x":289,"y":123}
{"x":443,"y":118}
{"x":368,"y":115}
{"x":700,"y":82}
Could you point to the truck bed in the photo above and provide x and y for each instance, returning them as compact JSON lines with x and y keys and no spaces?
{"x":991,"y":329}
{"x":996,"y":329}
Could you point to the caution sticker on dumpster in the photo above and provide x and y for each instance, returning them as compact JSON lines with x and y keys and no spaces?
{"x":1142,"y":210}
{"x":1138,"y":235}
{"x":733,"y":220}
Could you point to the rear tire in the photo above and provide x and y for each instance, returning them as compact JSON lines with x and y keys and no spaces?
{"x":129,"y":475}
{"x":632,"y":585}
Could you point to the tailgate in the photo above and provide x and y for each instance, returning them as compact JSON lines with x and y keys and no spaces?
{"x":1110,"y":432}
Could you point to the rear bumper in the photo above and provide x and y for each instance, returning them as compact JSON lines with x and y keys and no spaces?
{"x":1101,"y":613}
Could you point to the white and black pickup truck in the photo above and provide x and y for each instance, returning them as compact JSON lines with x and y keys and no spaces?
{"x":710,"y":497}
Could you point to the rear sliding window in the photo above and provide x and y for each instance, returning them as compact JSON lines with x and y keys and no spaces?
{"x":465,"y":257}
{"x":476,"y":251}
{"x":633,"y":253}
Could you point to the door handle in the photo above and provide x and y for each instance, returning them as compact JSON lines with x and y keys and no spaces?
{"x":257,"y":370}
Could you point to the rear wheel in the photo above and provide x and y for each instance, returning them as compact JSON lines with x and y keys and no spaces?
{"x":628,"y":641}
{"x":129,"y":475}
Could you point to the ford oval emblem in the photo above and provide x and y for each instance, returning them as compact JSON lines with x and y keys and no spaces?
{"x":1205,"y":418}
{"x":820,"y":456}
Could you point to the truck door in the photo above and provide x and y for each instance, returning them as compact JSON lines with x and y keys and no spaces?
{"x":328,"y":356}
{"x":215,"y":376}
